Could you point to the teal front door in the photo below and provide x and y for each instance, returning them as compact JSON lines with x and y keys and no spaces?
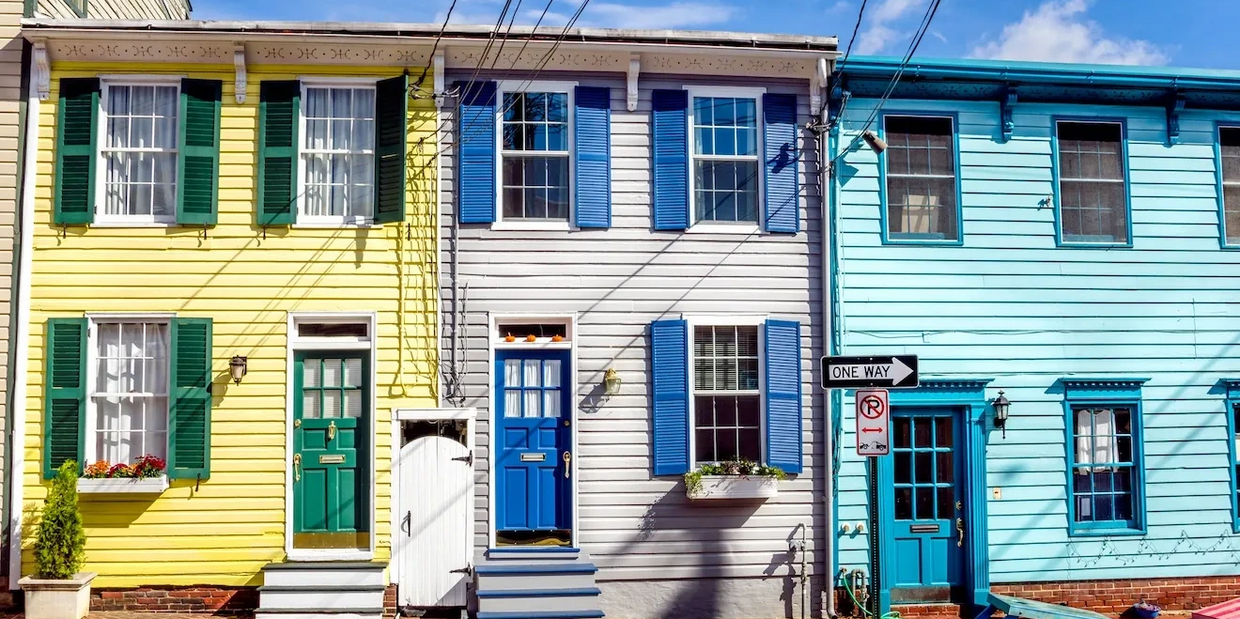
{"x":331,"y":444}
{"x":925,"y":521}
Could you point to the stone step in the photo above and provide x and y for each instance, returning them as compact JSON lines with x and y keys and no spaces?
{"x":320,"y":597}
{"x":540,"y":600}
{"x":323,"y":573}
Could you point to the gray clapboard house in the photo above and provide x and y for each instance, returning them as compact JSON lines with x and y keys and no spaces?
{"x":650,"y":206}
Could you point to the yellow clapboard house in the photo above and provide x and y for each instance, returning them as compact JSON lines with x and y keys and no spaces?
{"x":233,"y":270}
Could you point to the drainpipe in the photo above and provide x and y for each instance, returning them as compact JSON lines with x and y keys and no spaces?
{"x":826,"y":175}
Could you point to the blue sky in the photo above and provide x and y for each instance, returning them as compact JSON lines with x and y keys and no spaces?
{"x":1180,"y":33}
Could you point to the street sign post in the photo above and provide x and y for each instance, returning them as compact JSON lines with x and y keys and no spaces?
{"x":873,"y":422}
{"x":869,"y":372}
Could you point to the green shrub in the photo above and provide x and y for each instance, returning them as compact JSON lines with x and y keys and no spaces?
{"x":60,"y":548}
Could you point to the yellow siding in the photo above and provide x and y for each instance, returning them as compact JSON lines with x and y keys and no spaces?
{"x":223,"y":531}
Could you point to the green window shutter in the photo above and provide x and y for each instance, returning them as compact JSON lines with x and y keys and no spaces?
{"x":278,"y":108}
{"x":64,"y":393}
{"x":189,"y":412}
{"x":391,"y":111}
{"x":198,"y":165}
{"x":76,"y":150}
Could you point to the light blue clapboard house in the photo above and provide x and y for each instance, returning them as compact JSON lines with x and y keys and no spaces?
{"x":1065,"y":235}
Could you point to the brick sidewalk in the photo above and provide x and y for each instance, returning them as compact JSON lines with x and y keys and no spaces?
{"x":131,"y":614}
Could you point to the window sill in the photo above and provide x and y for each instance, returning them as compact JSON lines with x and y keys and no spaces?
{"x":1086,"y":244}
{"x":344,"y":554}
{"x":150,"y":485}
{"x":549,"y":226}
{"x":334,"y":225}
{"x":133,"y":224}
{"x":715,"y":487}
{"x":748,"y":229}
{"x":922,"y":240}
{"x":1103,"y":532}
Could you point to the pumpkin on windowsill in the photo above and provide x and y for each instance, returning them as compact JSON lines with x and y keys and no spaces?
{"x":530,"y":338}
{"x":510,"y":338}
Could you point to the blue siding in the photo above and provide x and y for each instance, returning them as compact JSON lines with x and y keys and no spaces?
{"x":1011,"y":304}
{"x":593,"y":144}
{"x":783,"y":395}
{"x":477,"y":144}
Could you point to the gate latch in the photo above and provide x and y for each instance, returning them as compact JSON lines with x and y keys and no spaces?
{"x":467,"y":459}
{"x":468,"y":570}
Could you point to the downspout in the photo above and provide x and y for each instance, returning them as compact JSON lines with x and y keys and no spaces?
{"x":25,"y":249}
{"x":826,"y":174}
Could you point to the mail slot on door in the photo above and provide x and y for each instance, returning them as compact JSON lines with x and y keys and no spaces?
{"x":533,"y":456}
{"x":332,"y":459}
{"x":924,"y":528}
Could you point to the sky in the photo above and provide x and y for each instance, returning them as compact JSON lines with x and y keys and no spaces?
{"x":1137,"y":32}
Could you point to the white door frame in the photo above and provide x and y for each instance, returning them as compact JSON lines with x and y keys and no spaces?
{"x":494,"y":342}
{"x":296,"y":344}
{"x":470,"y":417}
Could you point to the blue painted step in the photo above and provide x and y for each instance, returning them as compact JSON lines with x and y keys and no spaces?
{"x":537,"y":568}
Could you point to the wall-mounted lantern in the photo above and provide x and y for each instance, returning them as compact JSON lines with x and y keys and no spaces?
{"x":1001,"y":405}
{"x":237,"y":368}
{"x":611,"y":382}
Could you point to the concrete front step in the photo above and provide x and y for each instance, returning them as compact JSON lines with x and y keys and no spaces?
{"x":539,"y":600}
{"x":539,"y":576}
{"x":324,"y":574}
{"x":316,"y":597}
{"x":339,"y":613}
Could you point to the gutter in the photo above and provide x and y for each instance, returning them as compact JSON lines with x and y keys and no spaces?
{"x":1049,"y":74}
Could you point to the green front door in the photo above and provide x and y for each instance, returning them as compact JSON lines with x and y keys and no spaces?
{"x":331,"y":483}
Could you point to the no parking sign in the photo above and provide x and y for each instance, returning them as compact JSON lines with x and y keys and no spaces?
{"x":873,"y":422}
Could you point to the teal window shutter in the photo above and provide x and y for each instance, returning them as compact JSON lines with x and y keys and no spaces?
{"x":279,"y":107}
{"x":476,"y":185}
{"x":783,"y":394}
{"x":781,"y":169}
{"x":189,"y":412}
{"x":76,"y":150}
{"x":198,"y":167}
{"x":670,"y":126}
{"x":669,"y":354}
{"x":64,"y":394}
{"x":391,"y":112}
{"x":593,"y":162}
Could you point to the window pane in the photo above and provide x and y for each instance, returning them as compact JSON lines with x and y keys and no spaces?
{"x":140,"y":183}
{"x":903,"y":467}
{"x":943,"y":432}
{"x":512,"y":402}
{"x":944,"y":469}
{"x":947,"y":500}
{"x":922,"y":432}
{"x":310,"y":405}
{"x":331,"y":372}
{"x":533,"y":401}
{"x":903,"y":432}
{"x":923,"y":467}
{"x":551,"y":403}
{"x":727,"y":191}
{"x":904,"y":503}
{"x":333,"y":404}
{"x":551,"y":373}
{"x":353,"y":373}
{"x":353,"y":403}
{"x":533,"y":370}
{"x":925,"y":503}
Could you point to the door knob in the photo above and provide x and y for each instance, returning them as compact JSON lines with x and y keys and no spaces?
{"x":568,"y":458}
{"x":296,"y":467}
{"x":960,"y":531}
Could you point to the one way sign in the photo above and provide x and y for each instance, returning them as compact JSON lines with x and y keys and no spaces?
{"x":865,"y":372}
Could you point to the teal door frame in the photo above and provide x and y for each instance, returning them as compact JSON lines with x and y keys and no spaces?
{"x":967,"y":398}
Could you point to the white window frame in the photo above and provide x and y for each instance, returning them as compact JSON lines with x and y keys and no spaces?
{"x":329,"y":221}
{"x":101,"y":219}
{"x":738,"y":227}
{"x":89,"y":452}
{"x":520,"y":86}
{"x":750,"y":320}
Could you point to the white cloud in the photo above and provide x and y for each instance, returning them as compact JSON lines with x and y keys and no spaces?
{"x":879,"y":32}
{"x":1059,"y":31}
{"x":674,"y":15}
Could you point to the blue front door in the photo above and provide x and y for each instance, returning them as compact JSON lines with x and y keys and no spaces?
{"x":533,"y":433}
{"x":926,"y":517}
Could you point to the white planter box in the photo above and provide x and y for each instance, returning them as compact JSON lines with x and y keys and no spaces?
{"x":57,"y":599}
{"x":150,"y":485}
{"x":736,"y":487}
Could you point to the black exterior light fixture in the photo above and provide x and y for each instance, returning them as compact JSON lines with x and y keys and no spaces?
{"x":237,"y":368}
{"x":1001,"y":405}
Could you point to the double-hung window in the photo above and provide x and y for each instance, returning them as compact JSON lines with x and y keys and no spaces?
{"x":726,"y":166}
{"x":138,"y":152}
{"x":920,"y":183}
{"x":1229,"y":176}
{"x":129,"y":384}
{"x":1105,"y":467}
{"x":337,"y":154}
{"x":535,"y":153}
{"x":727,"y":395}
{"x":1093,"y":193}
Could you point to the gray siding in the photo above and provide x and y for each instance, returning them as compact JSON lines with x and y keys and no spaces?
{"x":116,"y":9}
{"x":636,"y":526}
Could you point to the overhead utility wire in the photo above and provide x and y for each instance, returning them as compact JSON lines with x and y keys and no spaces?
{"x":434,"y":48}
{"x":504,"y":39}
{"x":856,"y":27}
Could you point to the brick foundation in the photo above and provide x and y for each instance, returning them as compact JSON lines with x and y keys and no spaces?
{"x":1109,"y":597}
{"x":191,"y":599}
{"x":389,"y":602}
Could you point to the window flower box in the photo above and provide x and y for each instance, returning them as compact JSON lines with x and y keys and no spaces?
{"x":121,"y":485}
{"x":734,"y":487}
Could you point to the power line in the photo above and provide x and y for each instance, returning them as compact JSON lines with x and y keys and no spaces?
{"x":840,"y":67}
{"x":504,"y":39}
{"x":435,"y":48}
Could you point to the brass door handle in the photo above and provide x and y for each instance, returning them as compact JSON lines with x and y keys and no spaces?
{"x":331,"y":430}
{"x":568,"y":459}
{"x":960,"y":531}
{"x":296,"y":467}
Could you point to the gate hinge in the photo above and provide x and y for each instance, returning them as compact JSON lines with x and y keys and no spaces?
{"x":467,"y":459}
{"x":468,"y":570}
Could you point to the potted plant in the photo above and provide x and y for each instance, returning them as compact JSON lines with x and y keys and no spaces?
{"x":733,"y":479}
{"x":58,"y":590}
{"x":1146,"y":610}
{"x":145,"y":475}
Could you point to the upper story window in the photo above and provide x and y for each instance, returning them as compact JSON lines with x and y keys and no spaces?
{"x":139,"y":152}
{"x":920,"y":179}
{"x":1093,"y":196}
{"x":1105,"y":464}
{"x":727,"y":397}
{"x":338,"y":154}
{"x":1229,"y":174}
{"x":535,"y":155}
{"x":725,"y":158}
{"x":128,"y":416}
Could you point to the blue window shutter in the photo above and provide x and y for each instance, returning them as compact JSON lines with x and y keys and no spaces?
{"x":476,"y":173}
{"x":593,"y":144}
{"x":669,"y":353}
{"x":783,"y":394}
{"x":782,"y":212}
{"x":671,"y":159}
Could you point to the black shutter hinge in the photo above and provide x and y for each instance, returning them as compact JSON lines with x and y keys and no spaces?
{"x":467,"y":459}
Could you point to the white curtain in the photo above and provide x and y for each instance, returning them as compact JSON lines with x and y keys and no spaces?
{"x":131,"y":391}
{"x":1095,"y":437}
